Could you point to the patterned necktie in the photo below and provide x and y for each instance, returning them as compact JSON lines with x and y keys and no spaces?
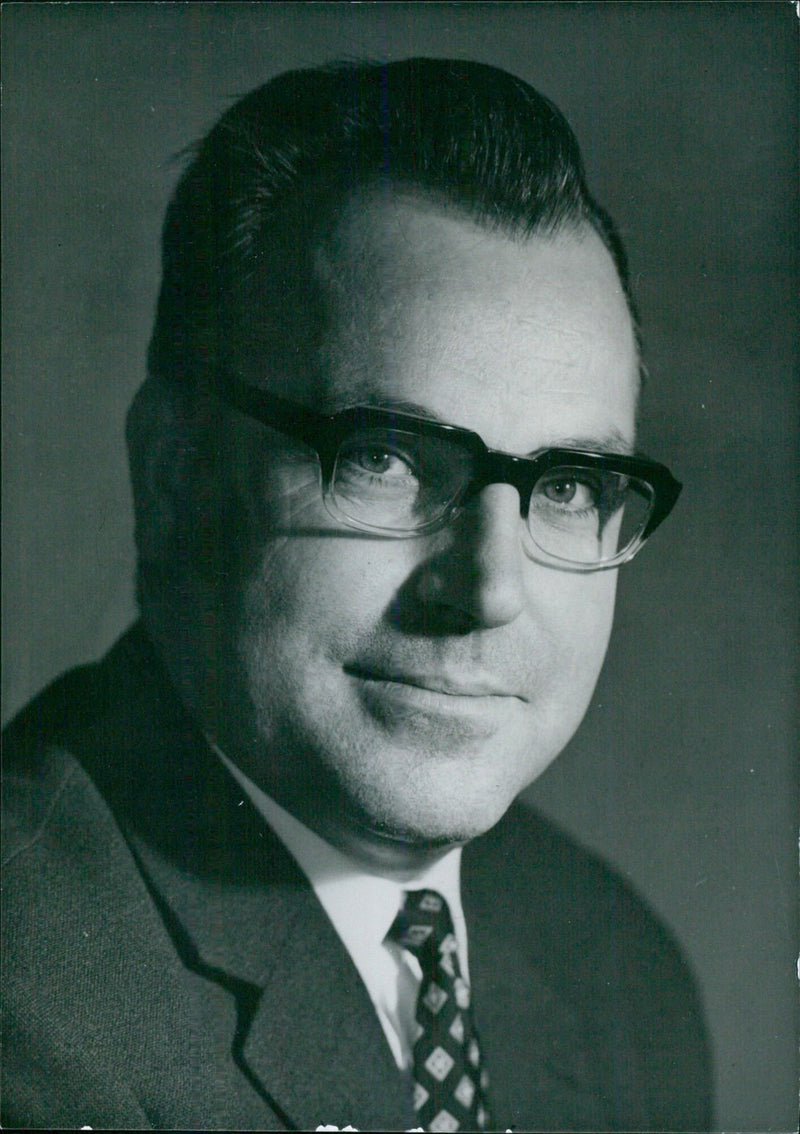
{"x":449,"y":1082}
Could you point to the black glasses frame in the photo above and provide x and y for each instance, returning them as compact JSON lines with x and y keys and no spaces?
{"x":324,"y":433}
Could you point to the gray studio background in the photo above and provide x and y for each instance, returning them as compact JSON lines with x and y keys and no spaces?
{"x":683,"y":772}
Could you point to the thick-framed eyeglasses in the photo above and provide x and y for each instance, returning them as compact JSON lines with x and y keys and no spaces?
{"x":399,"y":476}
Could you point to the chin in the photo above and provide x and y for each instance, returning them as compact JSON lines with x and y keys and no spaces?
{"x":435,"y":820}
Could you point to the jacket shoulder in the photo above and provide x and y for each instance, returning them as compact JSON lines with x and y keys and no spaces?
{"x":79,"y":732}
{"x":89,"y":969}
{"x":607,"y":972}
{"x":585,"y":922}
{"x":39,"y":766}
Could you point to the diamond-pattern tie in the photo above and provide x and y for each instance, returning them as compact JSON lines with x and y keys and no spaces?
{"x":450,"y":1082}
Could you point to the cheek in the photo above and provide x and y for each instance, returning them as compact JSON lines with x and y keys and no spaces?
{"x":305,"y":609}
{"x":578,"y":611}
{"x":323,"y":588}
{"x":290,"y":554}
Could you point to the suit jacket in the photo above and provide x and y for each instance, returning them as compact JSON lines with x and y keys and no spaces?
{"x":166,"y":964}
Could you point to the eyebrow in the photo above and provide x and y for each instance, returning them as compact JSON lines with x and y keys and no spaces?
{"x":610,"y":441}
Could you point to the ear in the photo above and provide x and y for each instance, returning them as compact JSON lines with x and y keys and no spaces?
{"x":157,"y":434}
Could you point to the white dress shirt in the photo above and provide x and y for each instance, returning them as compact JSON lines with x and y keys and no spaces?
{"x":362,"y":906}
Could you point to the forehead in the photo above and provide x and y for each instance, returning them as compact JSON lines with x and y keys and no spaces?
{"x":506,"y":336}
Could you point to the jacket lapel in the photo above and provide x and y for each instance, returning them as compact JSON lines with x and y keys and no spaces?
{"x":315,"y":1037}
{"x":241,"y":913}
{"x":308,"y":1033}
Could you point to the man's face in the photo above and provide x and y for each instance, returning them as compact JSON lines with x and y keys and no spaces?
{"x":409,"y":689}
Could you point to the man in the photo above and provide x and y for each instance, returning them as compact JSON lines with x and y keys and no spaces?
{"x":264,"y":868}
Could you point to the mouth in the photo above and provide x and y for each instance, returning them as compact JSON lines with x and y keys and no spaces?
{"x":476,"y":687}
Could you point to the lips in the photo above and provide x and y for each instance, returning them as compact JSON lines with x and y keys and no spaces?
{"x":451,"y":685}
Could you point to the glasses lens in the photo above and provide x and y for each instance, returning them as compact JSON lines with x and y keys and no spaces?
{"x":397,"y":481}
{"x":588,"y":516}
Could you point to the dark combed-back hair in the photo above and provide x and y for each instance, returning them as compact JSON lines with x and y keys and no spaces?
{"x":286,"y":155}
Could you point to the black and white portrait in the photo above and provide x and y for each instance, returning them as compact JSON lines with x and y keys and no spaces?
{"x":400,"y":504}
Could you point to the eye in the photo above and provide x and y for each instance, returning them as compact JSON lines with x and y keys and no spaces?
{"x":564,"y":490}
{"x":380,"y":460}
{"x":560,"y":491}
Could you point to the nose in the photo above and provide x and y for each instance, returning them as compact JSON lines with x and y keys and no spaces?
{"x":476,"y":580}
